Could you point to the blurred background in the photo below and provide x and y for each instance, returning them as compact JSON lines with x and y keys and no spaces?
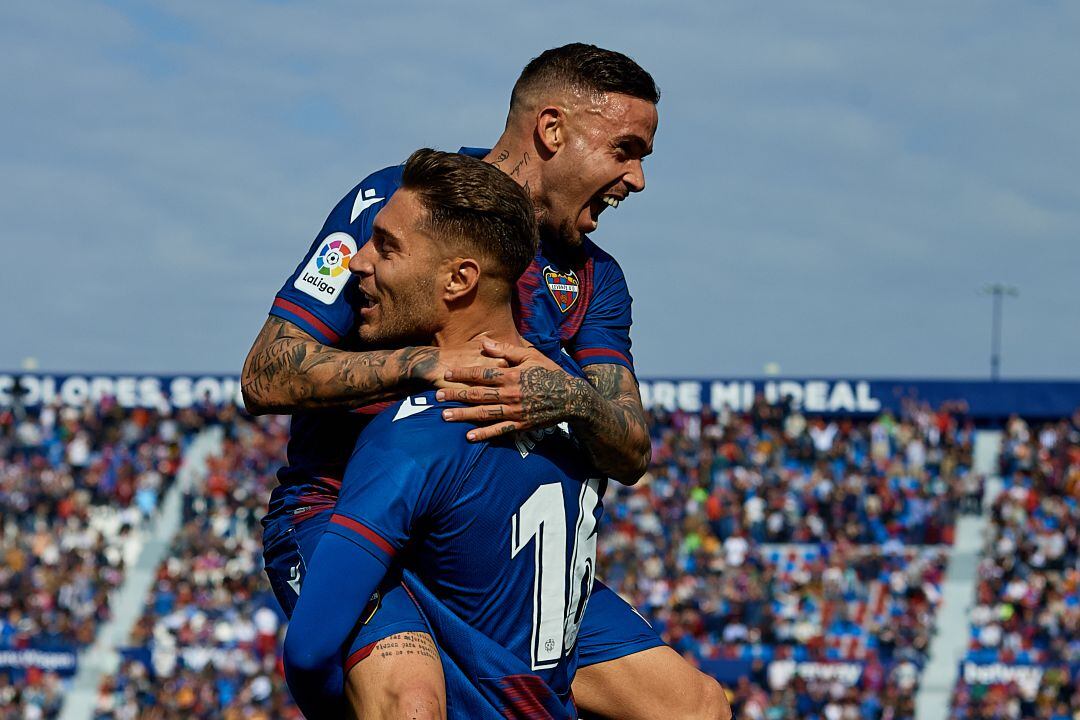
{"x":850,"y":210}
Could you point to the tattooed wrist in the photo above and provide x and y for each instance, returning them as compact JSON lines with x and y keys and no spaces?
{"x":552,"y":396}
{"x":419,"y":364}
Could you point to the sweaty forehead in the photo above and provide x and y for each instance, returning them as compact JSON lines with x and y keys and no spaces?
{"x":402,"y":217}
{"x":623,"y":115}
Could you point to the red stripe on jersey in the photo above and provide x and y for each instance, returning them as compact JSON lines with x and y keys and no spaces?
{"x":305,"y":315}
{"x":332,"y":482}
{"x":521,"y":302}
{"x":600,"y":352}
{"x":374,"y":408}
{"x":525,"y":693}
{"x":365,"y":532}
{"x":354,"y":659}
{"x":570,"y":326}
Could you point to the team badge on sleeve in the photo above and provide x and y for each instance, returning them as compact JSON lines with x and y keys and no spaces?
{"x":563,"y":286}
{"x":328,"y":269}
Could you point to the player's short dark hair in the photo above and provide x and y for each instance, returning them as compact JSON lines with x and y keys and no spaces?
{"x":476,"y":207}
{"x":584,"y":68}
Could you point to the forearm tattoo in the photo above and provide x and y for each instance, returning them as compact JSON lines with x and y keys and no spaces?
{"x":615,"y":433}
{"x":287,"y":371}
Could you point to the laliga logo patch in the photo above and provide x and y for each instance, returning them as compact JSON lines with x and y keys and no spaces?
{"x":563,"y":286}
{"x":326,"y":272}
{"x":333,"y":259}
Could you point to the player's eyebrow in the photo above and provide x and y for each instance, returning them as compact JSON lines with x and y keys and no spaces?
{"x":638,"y":146}
{"x":384,"y":234}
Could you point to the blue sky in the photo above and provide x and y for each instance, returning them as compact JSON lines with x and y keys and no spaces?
{"x":832,"y":184}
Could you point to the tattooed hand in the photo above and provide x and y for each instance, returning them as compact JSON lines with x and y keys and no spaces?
{"x":532,"y":392}
{"x":469,"y":355}
{"x":605,"y":411}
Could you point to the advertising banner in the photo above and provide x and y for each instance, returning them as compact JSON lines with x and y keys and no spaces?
{"x":816,"y":396}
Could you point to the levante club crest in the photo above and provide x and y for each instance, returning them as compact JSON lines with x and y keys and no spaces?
{"x":564,"y":287}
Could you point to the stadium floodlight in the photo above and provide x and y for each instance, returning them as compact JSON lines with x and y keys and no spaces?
{"x":998,"y":291}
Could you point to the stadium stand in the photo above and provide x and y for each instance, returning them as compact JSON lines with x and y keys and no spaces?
{"x":208,"y":642}
{"x":771,"y":546}
{"x":76,"y":489}
{"x":1024,"y":653}
{"x":799,"y":558}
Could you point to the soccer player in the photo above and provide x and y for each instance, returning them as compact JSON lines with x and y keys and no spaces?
{"x":498,"y":538}
{"x":581,"y":121}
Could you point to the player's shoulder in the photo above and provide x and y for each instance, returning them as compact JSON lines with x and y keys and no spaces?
{"x":416,"y":425}
{"x":370,"y":191}
{"x":604,"y":263}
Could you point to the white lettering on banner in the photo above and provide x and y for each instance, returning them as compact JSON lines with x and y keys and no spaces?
{"x":782,"y":671}
{"x":1028,"y":677}
{"x":863,"y":401}
{"x":75,"y":391}
{"x":128,"y":391}
{"x":180,"y":393}
{"x":690,"y":396}
{"x":184,"y":391}
{"x":664,"y":395}
{"x":815,"y":397}
{"x":732,"y":394}
{"x":793,"y":390}
{"x":54,"y":661}
{"x":842,"y":397}
{"x":150,"y":393}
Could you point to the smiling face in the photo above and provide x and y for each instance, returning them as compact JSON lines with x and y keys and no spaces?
{"x":597,"y":164}
{"x":398,"y":273}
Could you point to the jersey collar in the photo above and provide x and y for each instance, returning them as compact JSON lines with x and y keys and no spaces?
{"x":474,"y":152}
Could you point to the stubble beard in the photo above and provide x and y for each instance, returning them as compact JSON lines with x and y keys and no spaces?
{"x":410,"y":323}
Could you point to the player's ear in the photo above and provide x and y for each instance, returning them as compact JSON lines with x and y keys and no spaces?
{"x":462,"y":279}
{"x":550,"y":128}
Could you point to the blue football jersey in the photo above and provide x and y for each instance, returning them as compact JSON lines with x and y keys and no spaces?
{"x":498,"y":544}
{"x":577,"y":313}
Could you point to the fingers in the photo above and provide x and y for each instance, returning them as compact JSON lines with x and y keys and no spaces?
{"x":514,"y":354}
{"x":493,"y":431}
{"x":476,"y":375}
{"x":483,"y":414}
{"x":474,"y":395}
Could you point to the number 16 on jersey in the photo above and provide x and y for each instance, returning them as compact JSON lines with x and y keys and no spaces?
{"x":542,"y":521}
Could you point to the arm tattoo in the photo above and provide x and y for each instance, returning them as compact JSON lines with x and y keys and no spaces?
{"x":605,"y":412}
{"x":288,"y":370}
{"x":407,"y":643}
{"x":616,"y":434}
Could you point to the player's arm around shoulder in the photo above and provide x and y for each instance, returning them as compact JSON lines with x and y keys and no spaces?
{"x":294,"y":364}
{"x":287,"y":370}
{"x":604,"y":410}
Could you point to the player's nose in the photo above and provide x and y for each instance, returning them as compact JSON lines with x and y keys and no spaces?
{"x":361,"y":261}
{"x":635,"y":178}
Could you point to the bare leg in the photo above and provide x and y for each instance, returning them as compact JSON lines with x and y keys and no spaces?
{"x":402,"y":679}
{"x":654,"y":683}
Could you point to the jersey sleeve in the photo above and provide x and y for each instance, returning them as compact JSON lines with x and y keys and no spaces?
{"x":319,"y":295}
{"x":406,"y":467}
{"x":604,"y":336}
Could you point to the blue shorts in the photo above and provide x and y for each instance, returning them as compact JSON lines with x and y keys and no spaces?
{"x":611,"y":628}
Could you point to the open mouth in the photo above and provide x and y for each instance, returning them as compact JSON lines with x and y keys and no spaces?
{"x":365,"y":301}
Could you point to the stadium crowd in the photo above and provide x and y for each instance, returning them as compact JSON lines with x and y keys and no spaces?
{"x":208,"y":642}
{"x":76,"y":488}
{"x":1027,"y":598}
{"x":782,"y":543}
{"x":773,"y":536}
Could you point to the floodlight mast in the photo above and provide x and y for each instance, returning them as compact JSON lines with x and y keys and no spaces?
{"x":997,"y":291}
